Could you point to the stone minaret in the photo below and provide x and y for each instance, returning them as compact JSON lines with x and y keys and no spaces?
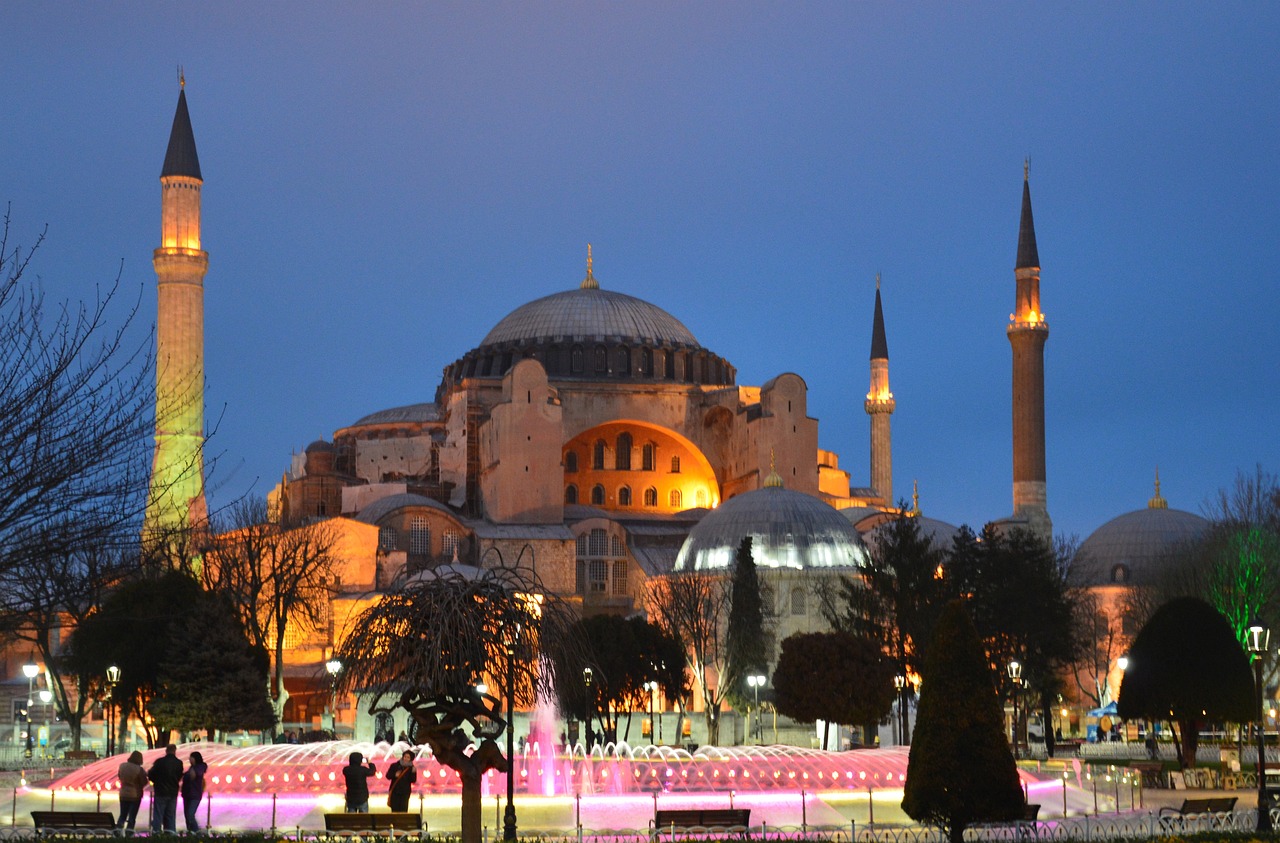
{"x":176,"y":500}
{"x":880,"y":405}
{"x":1027,"y":334}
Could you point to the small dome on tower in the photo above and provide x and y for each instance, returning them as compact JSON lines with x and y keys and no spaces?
{"x":1130,"y":549}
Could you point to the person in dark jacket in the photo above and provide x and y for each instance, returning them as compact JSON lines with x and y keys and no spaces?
{"x":357,"y":778}
{"x":401,"y":775}
{"x":165,"y":775}
{"x":192,"y":789}
{"x":133,"y":782}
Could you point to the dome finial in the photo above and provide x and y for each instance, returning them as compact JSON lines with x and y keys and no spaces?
{"x":877,"y":281}
{"x":182,"y":78}
{"x":1026,"y":168}
{"x":590,"y":283}
{"x":774,"y":480}
{"x":1157,"y":502}
{"x":915,"y":498}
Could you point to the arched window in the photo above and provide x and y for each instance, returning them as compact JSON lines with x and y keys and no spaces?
{"x":615,"y":545}
{"x":675,"y":498}
{"x":602,"y":360}
{"x":669,"y":365}
{"x":598,"y":543}
{"x":624,"y":496}
{"x":701,"y":498}
{"x":646,"y":362}
{"x":597,"y":455}
{"x":576,"y":360}
{"x":622,"y":456}
{"x":619,"y":578}
{"x":601,"y":565}
{"x":675,"y":465}
{"x":797,"y":601}
{"x":570,"y":461}
{"x":506,"y":362}
{"x":571,"y":493}
{"x":419,"y":536}
{"x":622,"y":362}
{"x":384,"y":727}
{"x":552,"y":360}
{"x":650,"y":496}
{"x":597,"y":495}
{"x":450,"y":544}
{"x":386,"y":538}
{"x":647,"y":456}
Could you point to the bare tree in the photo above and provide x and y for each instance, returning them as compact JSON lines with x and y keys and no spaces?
{"x":277,"y":576}
{"x":693,"y":607}
{"x":428,"y":643}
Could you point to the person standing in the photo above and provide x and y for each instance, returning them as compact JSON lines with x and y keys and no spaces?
{"x":165,"y":775}
{"x":192,"y":788}
{"x":357,"y":778}
{"x":402,"y":776}
{"x":133,"y":781}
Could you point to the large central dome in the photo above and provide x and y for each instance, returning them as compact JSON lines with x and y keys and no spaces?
{"x":590,"y":314}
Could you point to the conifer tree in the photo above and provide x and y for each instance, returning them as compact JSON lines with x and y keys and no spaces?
{"x":961,"y":770}
{"x":745,"y":635}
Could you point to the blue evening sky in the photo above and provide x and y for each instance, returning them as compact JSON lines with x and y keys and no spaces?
{"x":385,"y":181}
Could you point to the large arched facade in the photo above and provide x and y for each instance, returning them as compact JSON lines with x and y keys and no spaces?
{"x":632,"y":466}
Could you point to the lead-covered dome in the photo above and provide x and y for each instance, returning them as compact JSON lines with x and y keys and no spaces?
{"x":1130,"y":549}
{"x":590,"y":314}
{"x":787,"y":529}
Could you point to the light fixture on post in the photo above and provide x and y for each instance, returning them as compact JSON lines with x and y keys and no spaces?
{"x":756,"y":681}
{"x":333,"y":667}
{"x":590,"y":704}
{"x":900,"y":683}
{"x":1015,"y":677}
{"x":113,"y":679}
{"x":1259,"y":643}
{"x":509,"y":816}
{"x":651,"y":689}
{"x":46,"y":697}
{"x":30,"y":670}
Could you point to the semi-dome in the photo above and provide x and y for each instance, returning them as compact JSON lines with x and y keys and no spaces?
{"x":1130,"y":548}
{"x":788,"y":530}
{"x":586,"y":314}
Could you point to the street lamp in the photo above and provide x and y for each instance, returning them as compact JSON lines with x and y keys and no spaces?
{"x":1259,"y":642}
{"x":1015,"y":676}
{"x":900,"y":682}
{"x":113,"y":679}
{"x":591,"y":704}
{"x":46,"y":697}
{"x":30,"y":670}
{"x":651,"y":688}
{"x":333,"y":667}
{"x":756,"y":681}
{"x":509,"y":816}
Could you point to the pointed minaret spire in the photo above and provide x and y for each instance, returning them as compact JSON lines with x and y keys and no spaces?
{"x":915,"y":498}
{"x":774,"y":480}
{"x":176,"y":501}
{"x":590,"y":283}
{"x":1027,"y":332}
{"x":880,"y":406}
{"x":1157,"y":502}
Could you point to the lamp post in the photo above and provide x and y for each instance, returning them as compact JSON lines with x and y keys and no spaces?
{"x":333,"y":667}
{"x":651,"y":688}
{"x":900,"y":683}
{"x":1259,"y":642}
{"x":591,"y":704}
{"x":46,"y":697}
{"x":1015,"y":677}
{"x":29,"y":670}
{"x":509,"y":815}
{"x":113,"y":679}
{"x":756,"y":681}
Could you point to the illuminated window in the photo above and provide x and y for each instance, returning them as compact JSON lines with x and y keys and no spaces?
{"x":675,"y":465}
{"x":701,"y":497}
{"x":619,"y":584}
{"x":387,"y":538}
{"x":797,"y":601}
{"x":597,"y":495}
{"x":622,"y":456}
{"x":419,"y":536}
{"x":601,"y":566}
{"x":450,"y":544}
{"x":624,"y":496}
{"x":675,"y":498}
{"x":650,"y":496}
{"x":576,"y":362}
{"x":598,"y":542}
{"x":647,"y":456}
{"x":598,"y":576}
{"x":597,"y":455}
{"x":571,"y":493}
{"x":571,"y":461}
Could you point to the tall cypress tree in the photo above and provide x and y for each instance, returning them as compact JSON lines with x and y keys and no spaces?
{"x":961,"y":770}
{"x":745,"y":636}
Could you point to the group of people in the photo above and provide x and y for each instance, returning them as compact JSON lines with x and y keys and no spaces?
{"x":168,"y":780}
{"x":400,"y":778}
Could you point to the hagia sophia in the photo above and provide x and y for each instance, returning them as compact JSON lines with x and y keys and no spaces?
{"x":590,"y":435}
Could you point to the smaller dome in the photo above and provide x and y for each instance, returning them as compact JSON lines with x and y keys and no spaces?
{"x":382,"y":507}
{"x":1129,"y":549}
{"x":319,"y":447}
{"x":413,"y":413}
{"x":787,"y":529}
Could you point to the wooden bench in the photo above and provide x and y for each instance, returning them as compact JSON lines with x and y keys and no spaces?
{"x":1212,"y":805}
{"x":381,"y":821}
{"x":80,"y":755}
{"x":73,"y":819}
{"x":1152,"y":772}
{"x":685,"y":819}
